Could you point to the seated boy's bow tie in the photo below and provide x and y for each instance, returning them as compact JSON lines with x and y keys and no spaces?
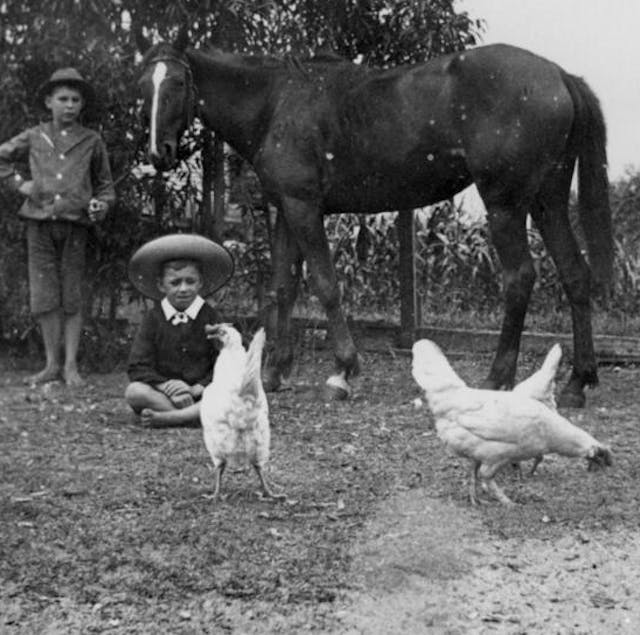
{"x":179,"y":318}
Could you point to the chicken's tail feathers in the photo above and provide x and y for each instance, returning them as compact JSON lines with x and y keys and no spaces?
{"x":431,"y":369}
{"x":251,"y":380}
{"x":552,"y":360}
{"x":542,"y":384}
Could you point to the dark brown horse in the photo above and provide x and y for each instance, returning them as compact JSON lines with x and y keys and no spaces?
{"x":326,"y":136}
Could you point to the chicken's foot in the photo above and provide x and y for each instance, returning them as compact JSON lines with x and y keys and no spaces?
{"x":498,"y":493}
{"x":266,"y":489}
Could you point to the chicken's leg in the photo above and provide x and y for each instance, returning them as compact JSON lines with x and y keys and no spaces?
{"x":486,"y":474}
{"x":218,"y":477}
{"x":536,"y":461}
{"x":473,"y":483}
{"x":266,"y":489}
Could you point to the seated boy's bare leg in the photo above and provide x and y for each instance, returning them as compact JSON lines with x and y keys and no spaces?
{"x":189,"y":416}
{"x":50,"y":325}
{"x":141,"y":396}
{"x":156,"y":409}
{"x":72,"y":331}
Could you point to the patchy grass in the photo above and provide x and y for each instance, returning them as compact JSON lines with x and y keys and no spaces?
{"x":105,"y":525}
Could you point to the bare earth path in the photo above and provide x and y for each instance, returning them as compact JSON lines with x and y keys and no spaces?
{"x":426,"y":566}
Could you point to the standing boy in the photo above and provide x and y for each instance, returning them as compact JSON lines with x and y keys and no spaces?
{"x":171,"y":359}
{"x":70,"y":187}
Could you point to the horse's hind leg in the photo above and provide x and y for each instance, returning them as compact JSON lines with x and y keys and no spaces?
{"x":552,"y":219}
{"x":509,"y":237}
{"x":287,"y":263}
{"x":306,"y":224}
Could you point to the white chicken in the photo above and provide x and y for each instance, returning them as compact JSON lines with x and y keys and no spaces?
{"x":494,"y":428}
{"x":234,"y":411}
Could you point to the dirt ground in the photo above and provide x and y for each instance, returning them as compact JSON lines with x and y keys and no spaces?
{"x":377,"y":537}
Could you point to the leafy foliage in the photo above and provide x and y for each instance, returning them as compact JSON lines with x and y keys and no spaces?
{"x":102,"y":39}
{"x":456,"y":265}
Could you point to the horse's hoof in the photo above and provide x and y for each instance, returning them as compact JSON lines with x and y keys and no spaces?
{"x":337,"y":388}
{"x":568,"y":399}
{"x":271,"y":380}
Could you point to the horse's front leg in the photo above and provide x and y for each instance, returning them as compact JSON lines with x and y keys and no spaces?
{"x":508,"y":232}
{"x":305,"y":222}
{"x":286,"y":267}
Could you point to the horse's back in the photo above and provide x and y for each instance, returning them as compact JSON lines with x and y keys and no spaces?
{"x":415,"y":134}
{"x":515,"y":112}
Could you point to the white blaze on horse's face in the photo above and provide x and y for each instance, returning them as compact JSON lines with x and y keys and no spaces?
{"x":159,"y":75}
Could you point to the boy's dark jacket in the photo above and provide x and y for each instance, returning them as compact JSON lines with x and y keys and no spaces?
{"x":163,"y":351}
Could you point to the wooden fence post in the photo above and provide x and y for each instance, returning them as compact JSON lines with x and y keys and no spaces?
{"x":207,"y":223}
{"x":219,"y":186}
{"x":407,"y":273}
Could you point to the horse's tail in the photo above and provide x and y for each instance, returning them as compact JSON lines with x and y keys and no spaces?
{"x":588,"y":142}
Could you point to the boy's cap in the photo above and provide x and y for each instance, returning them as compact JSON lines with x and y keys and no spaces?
{"x":67,"y":77}
{"x":146,"y":263}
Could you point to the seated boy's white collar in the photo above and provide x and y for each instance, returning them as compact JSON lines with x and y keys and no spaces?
{"x":192,"y":310}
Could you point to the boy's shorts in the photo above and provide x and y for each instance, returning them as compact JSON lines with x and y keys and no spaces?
{"x":56,"y":265}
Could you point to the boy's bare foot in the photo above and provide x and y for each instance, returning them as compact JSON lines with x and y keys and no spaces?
{"x":72,"y":378}
{"x":155,"y":418}
{"x":147,"y":417}
{"x":49,"y":373}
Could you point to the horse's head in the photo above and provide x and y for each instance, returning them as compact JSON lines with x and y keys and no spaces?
{"x":167,"y":88}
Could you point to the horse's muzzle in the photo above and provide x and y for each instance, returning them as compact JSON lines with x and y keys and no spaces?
{"x":165,"y":157}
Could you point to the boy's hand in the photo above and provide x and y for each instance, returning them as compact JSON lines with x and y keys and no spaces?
{"x":178,"y":392}
{"x":97,"y":210}
{"x":197,"y":390}
{"x":182,"y":400}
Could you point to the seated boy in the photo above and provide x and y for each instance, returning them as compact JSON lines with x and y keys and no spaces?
{"x":171,"y":359}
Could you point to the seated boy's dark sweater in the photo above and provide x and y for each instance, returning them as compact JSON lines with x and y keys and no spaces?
{"x":162,"y":350}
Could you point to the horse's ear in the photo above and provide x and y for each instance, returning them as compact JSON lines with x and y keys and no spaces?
{"x":141,"y":41}
{"x":182,"y":39}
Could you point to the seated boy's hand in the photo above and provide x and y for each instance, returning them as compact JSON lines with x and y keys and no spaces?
{"x":197,"y":390}
{"x":182,"y":400}
{"x":173,"y":387}
{"x":178,"y":392}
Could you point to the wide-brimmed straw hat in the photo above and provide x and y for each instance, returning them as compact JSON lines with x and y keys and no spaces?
{"x":67,"y":77}
{"x":145,"y":266}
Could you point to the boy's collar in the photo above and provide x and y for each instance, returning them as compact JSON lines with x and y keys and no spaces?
{"x":192,"y":310}
{"x":63,"y":141}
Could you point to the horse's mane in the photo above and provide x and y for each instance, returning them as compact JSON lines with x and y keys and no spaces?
{"x":157,"y":50}
{"x":290,"y":62}
{"x":296,"y":65}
